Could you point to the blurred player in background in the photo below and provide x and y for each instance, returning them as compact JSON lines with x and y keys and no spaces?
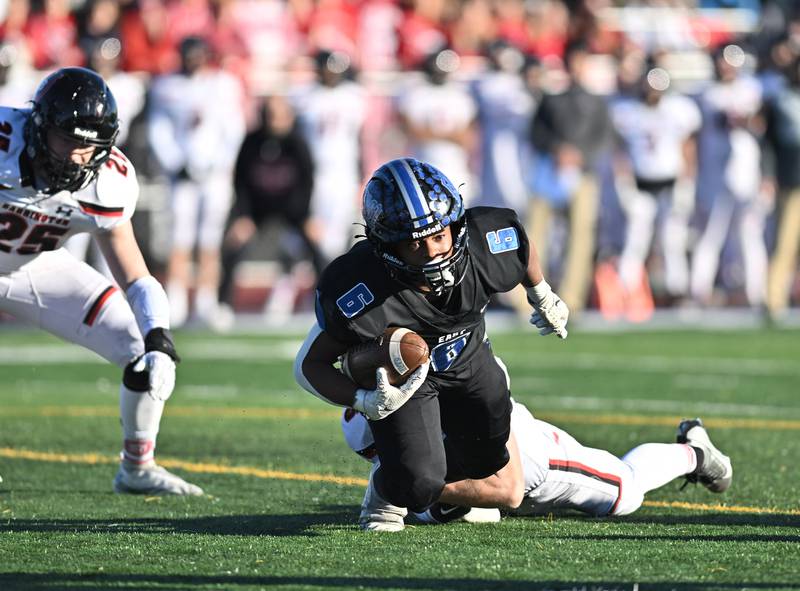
{"x":331,"y":114}
{"x":429,"y":265}
{"x":562,"y":474}
{"x":196,"y":126}
{"x":505,"y":108}
{"x":438,"y":116}
{"x":62,"y":175}
{"x":657,"y":131}
{"x":731,"y":107}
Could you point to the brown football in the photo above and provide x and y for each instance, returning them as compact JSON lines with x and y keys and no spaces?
{"x":398,"y":350}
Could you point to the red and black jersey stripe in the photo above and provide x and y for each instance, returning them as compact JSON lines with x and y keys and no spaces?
{"x":578,"y":468}
{"x":95,"y":209}
{"x":98,"y":304}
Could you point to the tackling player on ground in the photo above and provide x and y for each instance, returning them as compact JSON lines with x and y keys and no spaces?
{"x":560,"y":473}
{"x":429,"y":265}
{"x":60,"y":175}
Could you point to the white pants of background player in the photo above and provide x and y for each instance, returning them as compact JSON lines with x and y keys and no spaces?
{"x":743,"y":202}
{"x":199,"y":212}
{"x":560,"y":473}
{"x":68,"y":298}
{"x":642,"y":209}
{"x":334,"y":211}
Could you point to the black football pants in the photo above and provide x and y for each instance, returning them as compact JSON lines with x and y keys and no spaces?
{"x":473,"y":410}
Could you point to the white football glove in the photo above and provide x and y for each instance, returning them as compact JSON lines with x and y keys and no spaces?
{"x":550,"y":312}
{"x":385,"y":399}
{"x":161,"y":370}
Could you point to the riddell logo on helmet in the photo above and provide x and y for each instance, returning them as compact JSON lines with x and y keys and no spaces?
{"x":85,"y":133}
{"x":427,"y":231}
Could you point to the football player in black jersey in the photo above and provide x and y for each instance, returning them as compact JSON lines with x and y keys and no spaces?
{"x":430,"y":265}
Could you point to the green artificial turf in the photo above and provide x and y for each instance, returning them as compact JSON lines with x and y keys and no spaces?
{"x":238,"y":426}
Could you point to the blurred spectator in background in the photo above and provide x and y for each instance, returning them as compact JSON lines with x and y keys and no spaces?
{"x":148,"y":43}
{"x":195,"y":130}
{"x":438,"y":116}
{"x":13,"y":29}
{"x":273,"y":178}
{"x":422,"y":30}
{"x":53,"y":36}
{"x":731,"y":105}
{"x":656,"y":129}
{"x":571,"y":130}
{"x":331,"y":113}
{"x":783,"y":141}
{"x":99,"y":21}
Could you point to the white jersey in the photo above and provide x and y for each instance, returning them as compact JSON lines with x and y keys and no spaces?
{"x":654,"y":135}
{"x":446,"y":108}
{"x":196,"y":122}
{"x":31,"y":221}
{"x":331,"y":118}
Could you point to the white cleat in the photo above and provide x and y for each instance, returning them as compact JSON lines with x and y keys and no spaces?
{"x":715,"y":472}
{"x":441,"y":513}
{"x":152,"y":480}
{"x":481,"y":515}
{"x":378,"y":514}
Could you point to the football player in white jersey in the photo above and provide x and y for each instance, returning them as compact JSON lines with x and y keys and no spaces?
{"x":732,"y":107}
{"x":60,"y":174}
{"x":331,"y":114}
{"x":560,"y":473}
{"x":438,"y":115}
{"x":657,"y":130}
{"x":195,"y":129}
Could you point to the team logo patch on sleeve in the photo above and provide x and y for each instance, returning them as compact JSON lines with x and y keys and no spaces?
{"x":502,"y":240}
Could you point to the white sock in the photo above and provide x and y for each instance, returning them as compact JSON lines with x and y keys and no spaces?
{"x":141,"y":415}
{"x":205,"y":302}
{"x":656,"y":464}
{"x":178,"y":297}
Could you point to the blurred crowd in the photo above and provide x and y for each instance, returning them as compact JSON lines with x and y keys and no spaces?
{"x":652,"y":148}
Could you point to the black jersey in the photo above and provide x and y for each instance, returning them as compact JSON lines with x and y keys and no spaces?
{"x":357,"y":299}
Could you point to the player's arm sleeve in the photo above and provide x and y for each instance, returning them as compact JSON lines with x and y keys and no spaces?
{"x":315,"y":372}
{"x":504,"y":248}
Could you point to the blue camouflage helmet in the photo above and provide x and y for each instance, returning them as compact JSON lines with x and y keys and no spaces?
{"x":409,"y":200}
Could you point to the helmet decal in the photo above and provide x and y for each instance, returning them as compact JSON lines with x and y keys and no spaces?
{"x":415,"y":201}
{"x":409,"y":200}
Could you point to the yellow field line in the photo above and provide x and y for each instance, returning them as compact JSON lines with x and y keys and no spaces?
{"x":722,"y":508}
{"x":670,"y":421}
{"x":175,"y":411}
{"x":298,"y":413}
{"x":205,"y":468}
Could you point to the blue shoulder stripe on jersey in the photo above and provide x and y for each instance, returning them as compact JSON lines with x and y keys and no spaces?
{"x":414,"y":199}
